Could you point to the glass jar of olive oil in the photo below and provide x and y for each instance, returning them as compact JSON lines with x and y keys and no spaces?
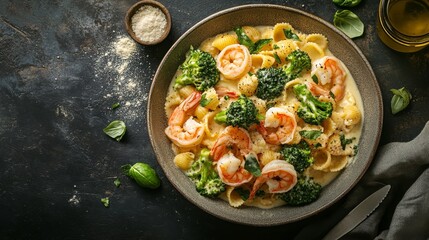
{"x":403,"y":25}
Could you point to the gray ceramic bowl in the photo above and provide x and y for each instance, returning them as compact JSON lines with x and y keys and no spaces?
{"x":263,"y":14}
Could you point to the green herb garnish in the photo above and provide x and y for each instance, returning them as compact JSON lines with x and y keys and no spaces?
{"x":254,"y":47}
{"x":117,"y":182}
{"x":105,"y":201}
{"x":291,"y":35}
{"x":204,"y":100}
{"x":400,"y":100}
{"x":277,"y":58}
{"x":115,"y":130}
{"x":349,"y":23}
{"x":346,"y":3}
{"x":315,"y":79}
{"x":310,"y":134}
{"x":251,"y":164}
{"x":115,"y":105}
{"x":143,"y":174}
{"x":345,"y":141}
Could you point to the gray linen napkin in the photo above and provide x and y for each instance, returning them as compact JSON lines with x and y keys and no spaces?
{"x":404,"y":214}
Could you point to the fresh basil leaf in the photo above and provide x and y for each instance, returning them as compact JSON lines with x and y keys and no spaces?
{"x":349,"y":23}
{"x":315,"y":79}
{"x":243,"y":39}
{"x":116,"y":130}
{"x":259,"y":45}
{"x":277,"y":58}
{"x":143,"y":174}
{"x":105,"y":201}
{"x":251,"y":164}
{"x":310,"y":134}
{"x":345,"y":141}
{"x":317,"y":145}
{"x":115,"y":105}
{"x":275,"y":46}
{"x":204,"y":101}
{"x":400,"y":100}
{"x":346,"y":3}
{"x":126,"y":169}
{"x":331,"y":94}
{"x":291,"y":35}
{"x":117,"y":182}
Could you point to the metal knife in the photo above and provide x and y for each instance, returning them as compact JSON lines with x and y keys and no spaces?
{"x":358,"y":214}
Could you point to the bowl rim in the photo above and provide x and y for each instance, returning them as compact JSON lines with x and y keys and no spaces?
{"x":134,"y":8}
{"x":375,"y":139}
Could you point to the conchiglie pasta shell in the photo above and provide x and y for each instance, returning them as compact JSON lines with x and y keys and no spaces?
{"x":223,"y":40}
{"x":207,"y":46}
{"x":267,"y":33}
{"x":319,"y":39}
{"x":172,"y":101}
{"x":234,"y":199}
{"x":314,"y":50}
{"x":184,"y":160}
{"x":260,"y":105}
{"x":284,"y":48}
{"x":329,"y":127}
{"x":262,"y":61}
{"x":338,"y":163}
{"x":247,"y":85}
{"x":214,"y":99}
{"x":252,"y":33}
{"x":278,"y":31}
{"x":186,"y":91}
{"x":335,"y":148}
{"x":201,"y":112}
{"x":352,"y":115}
{"x":207,"y":120}
{"x":322,"y":160}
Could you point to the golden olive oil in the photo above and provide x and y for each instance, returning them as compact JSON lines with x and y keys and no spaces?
{"x":403,"y":25}
{"x":410,"y":17}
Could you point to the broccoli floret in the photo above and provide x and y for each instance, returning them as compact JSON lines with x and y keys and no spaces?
{"x":304,"y":192}
{"x":299,"y":62}
{"x":311,"y":110}
{"x":203,"y":174}
{"x":271,"y":83}
{"x":240,"y":113}
{"x":299,"y":155}
{"x":198,"y":69}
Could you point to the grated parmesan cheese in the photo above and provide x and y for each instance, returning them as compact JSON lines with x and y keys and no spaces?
{"x":148,"y":23}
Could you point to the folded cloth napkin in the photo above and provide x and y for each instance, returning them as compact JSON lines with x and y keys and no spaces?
{"x":404,"y":214}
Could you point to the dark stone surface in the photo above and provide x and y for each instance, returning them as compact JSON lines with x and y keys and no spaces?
{"x":59,"y":75}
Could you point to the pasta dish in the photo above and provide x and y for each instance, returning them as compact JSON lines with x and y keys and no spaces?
{"x":263,"y":116}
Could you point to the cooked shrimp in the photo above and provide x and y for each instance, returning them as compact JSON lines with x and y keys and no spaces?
{"x":234,"y":61}
{"x":234,"y":139}
{"x":331,"y":77}
{"x":279,"y":175}
{"x":182,"y":129}
{"x":278,"y":127}
{"x":224,"y":91}
{"x":231,"y":170}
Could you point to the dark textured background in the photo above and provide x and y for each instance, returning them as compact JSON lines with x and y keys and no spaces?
{"x":56,"y":88}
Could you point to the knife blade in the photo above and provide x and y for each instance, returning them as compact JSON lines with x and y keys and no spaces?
{"x":358,"y":214}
